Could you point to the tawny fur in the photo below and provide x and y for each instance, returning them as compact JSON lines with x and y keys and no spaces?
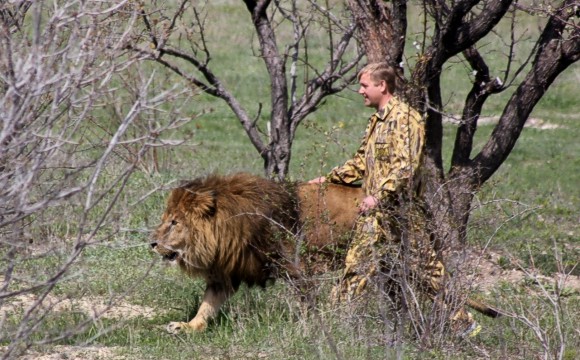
{"x":327,"y":217}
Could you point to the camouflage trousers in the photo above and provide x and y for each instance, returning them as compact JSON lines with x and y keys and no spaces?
{"x":384,"y":257}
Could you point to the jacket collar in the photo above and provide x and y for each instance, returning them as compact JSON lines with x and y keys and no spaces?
{"x":384,"y":112}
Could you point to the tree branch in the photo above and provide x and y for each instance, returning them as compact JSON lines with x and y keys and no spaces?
{"x":482,"y":88}
{"x":459,"y":38}
{"x":213,"y":86}
{"x":554,"y":55}
{"x":279,"y":137}
{"x":325,"y":83}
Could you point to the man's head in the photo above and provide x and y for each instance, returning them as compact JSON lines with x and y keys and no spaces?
{"x":378,"y":83}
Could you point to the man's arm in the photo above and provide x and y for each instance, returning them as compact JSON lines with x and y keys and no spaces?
{"x":352,"y":170}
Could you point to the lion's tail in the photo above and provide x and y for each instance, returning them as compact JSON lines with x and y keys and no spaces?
{"x":483,"y":308}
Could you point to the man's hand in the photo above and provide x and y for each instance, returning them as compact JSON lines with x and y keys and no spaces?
{"x":318,"y":180}
{"x":368,"y":203}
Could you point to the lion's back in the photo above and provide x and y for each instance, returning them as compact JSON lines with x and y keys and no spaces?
{"x":328,"y":213}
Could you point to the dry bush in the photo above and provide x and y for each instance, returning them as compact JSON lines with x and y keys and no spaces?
{"x":79,"y":117}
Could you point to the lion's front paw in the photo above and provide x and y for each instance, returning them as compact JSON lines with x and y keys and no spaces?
{"x":198,"y":325}
{"x":175,"y":327}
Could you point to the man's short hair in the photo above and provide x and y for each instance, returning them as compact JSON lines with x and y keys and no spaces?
{"x":381,"y":71}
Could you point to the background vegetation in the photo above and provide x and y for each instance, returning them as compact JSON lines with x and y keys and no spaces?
{"x":527,"y":222}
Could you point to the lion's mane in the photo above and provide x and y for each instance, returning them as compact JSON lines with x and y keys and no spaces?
{"x":233,"y":227}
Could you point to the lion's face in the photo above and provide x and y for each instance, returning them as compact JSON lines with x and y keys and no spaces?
{"x":170,"y":237}
{"x":184,"y":236}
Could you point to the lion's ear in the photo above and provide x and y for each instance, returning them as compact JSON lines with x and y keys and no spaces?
{"x":202,"y":203}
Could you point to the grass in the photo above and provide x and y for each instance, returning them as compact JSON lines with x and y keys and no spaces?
{"x":529,"y":214}
{"x":536,"y":188}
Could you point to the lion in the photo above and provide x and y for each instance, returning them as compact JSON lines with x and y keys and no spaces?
{"x":242,"y":228}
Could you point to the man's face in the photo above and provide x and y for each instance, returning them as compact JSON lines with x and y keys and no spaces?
{"x":372,"y":93}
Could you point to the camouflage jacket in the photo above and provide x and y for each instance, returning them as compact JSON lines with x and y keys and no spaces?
{"x":390,"y":154}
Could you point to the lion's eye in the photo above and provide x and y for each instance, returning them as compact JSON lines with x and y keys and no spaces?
{"x":173,"y":222}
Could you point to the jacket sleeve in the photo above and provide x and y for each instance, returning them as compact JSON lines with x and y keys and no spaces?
{"x":352,"y":170}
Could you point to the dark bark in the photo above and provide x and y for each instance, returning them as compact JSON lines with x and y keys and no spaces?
{"x":482,"y":88}
{"x":555,"y":54}
{"x":382,"y":28}
{"x":461,"y":188}
{"x":466,"y":176}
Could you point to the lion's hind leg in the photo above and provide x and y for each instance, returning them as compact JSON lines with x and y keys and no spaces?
{"x":214,"y":297}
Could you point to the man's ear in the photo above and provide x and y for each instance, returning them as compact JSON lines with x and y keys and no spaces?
{"x":383,"y":86}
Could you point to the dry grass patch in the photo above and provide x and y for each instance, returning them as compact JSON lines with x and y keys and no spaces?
{"x":95,"y":306}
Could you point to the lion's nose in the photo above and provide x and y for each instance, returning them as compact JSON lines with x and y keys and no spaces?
{"x":153,"y":245}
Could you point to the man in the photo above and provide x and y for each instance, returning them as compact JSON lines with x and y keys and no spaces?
{"x":391,"y":229}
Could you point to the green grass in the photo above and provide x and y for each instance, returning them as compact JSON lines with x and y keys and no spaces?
{"x":536,"y":193}
{"x":529,"y":212}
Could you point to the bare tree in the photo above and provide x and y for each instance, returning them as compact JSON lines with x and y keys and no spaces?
{"x":456,"y":28}
{"x":79,"y":116}
{"x":293,"y":94}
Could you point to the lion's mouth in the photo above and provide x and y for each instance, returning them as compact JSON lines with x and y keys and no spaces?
{"x":171,"y":256}
{"x":165,"y":253}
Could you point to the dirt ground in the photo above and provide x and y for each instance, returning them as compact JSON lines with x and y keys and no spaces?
{"x":489,"y":274}
{"x":95,"y":307}
{"x":61,"y":352}
{"x":533,"y":123}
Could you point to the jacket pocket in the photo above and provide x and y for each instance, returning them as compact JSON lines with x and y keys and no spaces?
{"x":382,"y":151}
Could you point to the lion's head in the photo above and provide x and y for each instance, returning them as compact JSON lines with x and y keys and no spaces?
{"x":225,"y":225}
{"x":186,"y":235}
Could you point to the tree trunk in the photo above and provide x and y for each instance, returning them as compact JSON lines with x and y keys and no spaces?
{"x":277,"y":155}
{"x":382,"y":29}
{"x":277,"y":160}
